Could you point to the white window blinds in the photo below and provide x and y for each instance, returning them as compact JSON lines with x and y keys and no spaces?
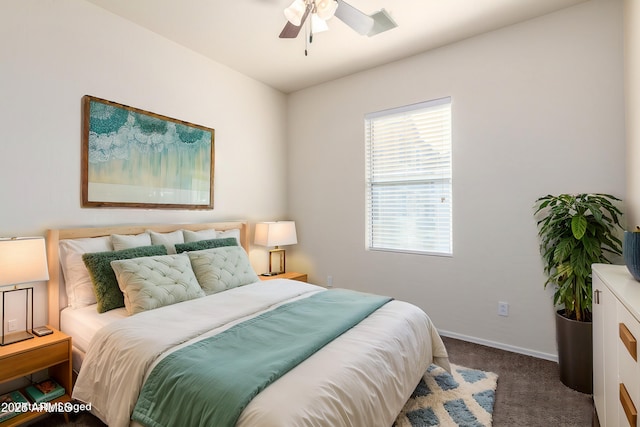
{"x":408,"y":178}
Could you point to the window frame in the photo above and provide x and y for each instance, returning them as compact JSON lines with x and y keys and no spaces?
{"x":415,"y":115}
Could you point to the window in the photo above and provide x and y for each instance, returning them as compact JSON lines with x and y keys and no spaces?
{"x":408,"y":178}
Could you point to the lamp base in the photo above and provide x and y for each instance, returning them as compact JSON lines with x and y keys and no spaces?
{"x":15,"y":337}
{"x":280,"y":253}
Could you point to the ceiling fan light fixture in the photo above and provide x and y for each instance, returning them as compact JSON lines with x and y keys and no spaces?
{"x":295,"y":12}
{"x":326,"y":8}
{"x":321,"y":10}
{"x":318,"y":25}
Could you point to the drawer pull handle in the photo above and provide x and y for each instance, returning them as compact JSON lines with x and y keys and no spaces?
{"x":628,"y":406}
{"x":629,"y":341}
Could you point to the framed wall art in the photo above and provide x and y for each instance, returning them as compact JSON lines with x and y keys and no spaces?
{"x":134,"y":158}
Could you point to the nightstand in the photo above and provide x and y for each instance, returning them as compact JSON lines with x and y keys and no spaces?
{"x":26,"y":357}
{"x":290,"y":275}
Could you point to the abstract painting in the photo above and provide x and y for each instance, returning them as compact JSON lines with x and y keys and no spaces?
{"x":134,"y":158}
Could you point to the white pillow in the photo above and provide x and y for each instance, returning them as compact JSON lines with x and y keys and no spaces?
{"x":196,"y":236}
{"x":78,"y":283}
{"x":169,"y":240}
{"x":223,"y":268}
{"x":128,"y":241}
{"x":153,"y":282}
{"x":230,"y":233}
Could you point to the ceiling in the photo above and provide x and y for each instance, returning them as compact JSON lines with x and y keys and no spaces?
{"x":243,"y":34}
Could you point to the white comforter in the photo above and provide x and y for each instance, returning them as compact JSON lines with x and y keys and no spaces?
{"x":363,"y":378}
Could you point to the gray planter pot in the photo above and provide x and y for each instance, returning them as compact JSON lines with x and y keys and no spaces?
{"x":575,"y":353}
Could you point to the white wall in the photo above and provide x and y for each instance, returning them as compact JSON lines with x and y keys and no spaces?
{"x":55,"y":51}
{"x":632,"y":94}
{"x":537,"y":109}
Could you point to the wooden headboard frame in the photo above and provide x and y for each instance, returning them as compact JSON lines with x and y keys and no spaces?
{"x":55,"y":235}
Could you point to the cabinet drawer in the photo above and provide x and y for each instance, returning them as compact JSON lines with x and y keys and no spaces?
{"x":628,"y":366}
{"x":24,"y":363}
{"x":628,"y":407}
{"x":628,"y":340}
{"x":628,"y":334}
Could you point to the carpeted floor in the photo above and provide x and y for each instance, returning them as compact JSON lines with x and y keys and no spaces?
{"x":529,"y":392}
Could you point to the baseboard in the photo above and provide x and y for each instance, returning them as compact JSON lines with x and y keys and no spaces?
{"x":501,"y":346}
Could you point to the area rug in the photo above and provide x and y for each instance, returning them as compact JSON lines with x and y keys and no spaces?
{"x":463,"y":398}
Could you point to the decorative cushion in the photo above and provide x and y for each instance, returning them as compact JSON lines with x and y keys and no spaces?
{"x":169,"y":240}
{"x":108,"y":294}
{"x":128,"y":241}
{"x":222,"y":268}
{"x":154,"y":282}
{"x":206,"y":244}
{"x":76,"y":276}
{"x":194,"y":236}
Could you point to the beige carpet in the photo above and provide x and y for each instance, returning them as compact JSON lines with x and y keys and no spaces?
{"x":529,"y":392}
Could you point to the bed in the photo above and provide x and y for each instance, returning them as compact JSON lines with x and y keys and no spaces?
{"x":319,"y":357}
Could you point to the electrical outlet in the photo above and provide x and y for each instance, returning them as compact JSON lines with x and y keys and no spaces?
{"x":503,"y":308}
{"x":329,"y":281}
{"x":12,"y":325}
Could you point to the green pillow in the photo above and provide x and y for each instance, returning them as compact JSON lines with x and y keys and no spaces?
{"x":206,"y":244}
{"x":105,"y":284}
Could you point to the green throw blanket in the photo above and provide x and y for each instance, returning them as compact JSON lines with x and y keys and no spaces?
{"x":210,"y":382}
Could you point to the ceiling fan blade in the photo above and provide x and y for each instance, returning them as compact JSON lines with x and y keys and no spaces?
{"x":359,"y":21}
{"x":366,"y":25}
{"x":291,"y":31}
{"x":382,"y":22}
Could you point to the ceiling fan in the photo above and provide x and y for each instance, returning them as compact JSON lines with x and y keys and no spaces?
{"x":321,"y":10}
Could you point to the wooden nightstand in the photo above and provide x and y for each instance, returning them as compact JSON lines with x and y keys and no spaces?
{"x":290,"y":275}
{"x":26,"y":357}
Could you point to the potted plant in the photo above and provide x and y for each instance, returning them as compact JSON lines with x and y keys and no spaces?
{"x":575,"y":232}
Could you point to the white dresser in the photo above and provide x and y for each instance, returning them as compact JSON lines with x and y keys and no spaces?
{"x":616,"y":329}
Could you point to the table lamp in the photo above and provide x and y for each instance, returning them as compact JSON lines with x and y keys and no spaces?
{"x":22,"y":260}
{"x":277,"y":233}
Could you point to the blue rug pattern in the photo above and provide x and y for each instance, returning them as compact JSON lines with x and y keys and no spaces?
{"x":464,"y":397}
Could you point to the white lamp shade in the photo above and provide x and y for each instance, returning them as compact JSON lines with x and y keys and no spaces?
{"x":326,"y":8}
{"x":23,"y":260}
{"x":295,"y":12}
{"x":318,"y":25}
{"x":279,"y":233}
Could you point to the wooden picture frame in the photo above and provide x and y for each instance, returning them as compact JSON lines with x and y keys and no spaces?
{"x":137,"y":159}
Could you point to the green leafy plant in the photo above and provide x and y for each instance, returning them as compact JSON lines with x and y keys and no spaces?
{"x":576,"y":231}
